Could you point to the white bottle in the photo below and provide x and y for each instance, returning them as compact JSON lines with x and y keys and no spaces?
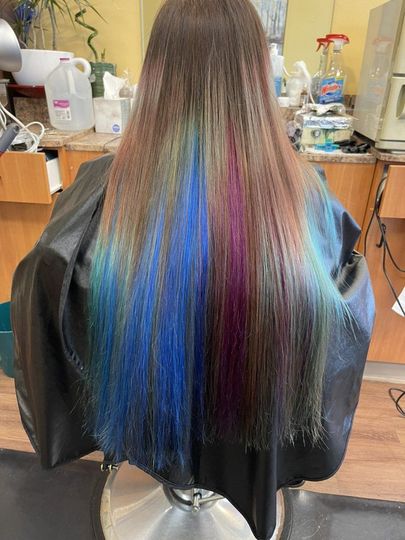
{"x":277,"y":64}
{"x":299,"y":81}
{"x":294,"y":88}
{"x":69,"y":97}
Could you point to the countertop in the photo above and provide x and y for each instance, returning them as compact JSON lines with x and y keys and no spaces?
{"x":89,"y":141}
{"x":55,"y":138}
{"x":338,"y":156}
{"x":384,"y":155}
{"x":94,"y":142}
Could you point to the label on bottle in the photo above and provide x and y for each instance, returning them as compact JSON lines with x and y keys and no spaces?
{"x":278,"y":83}
{"x":331,"y":90}
{"x":61,"y":109}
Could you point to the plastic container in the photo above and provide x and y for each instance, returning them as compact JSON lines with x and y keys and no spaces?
{"x":37,"y":65}
{"x":294,"y":87}
{"x":332,"y":85}
{"x":69,"y":96}
{"x":299,"y":81}
{"x":97,"y":73}
{"x":277,"y":64}
{"x":6,"y":340}
{"x":323,"y":45}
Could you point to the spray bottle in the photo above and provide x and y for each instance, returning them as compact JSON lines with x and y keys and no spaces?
{"x":323,"y":44}
{"x":332,"y":85}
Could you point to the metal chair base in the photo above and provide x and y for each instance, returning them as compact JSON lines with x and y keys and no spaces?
{"x":135,"y":506}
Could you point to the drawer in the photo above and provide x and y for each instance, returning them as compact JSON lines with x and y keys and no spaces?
{"x":28,"y":178}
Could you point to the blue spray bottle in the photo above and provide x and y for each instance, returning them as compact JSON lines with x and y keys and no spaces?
{"x":332,"y":85}
{"x":323,"y":46}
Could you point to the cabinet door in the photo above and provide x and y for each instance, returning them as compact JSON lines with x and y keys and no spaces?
{"x":351,"y":184}
{"x":388,"y":340}
{"x":24,"y":178}
{"x":72,"y":159}
{"x":21,"y":225}
{"x":393,"y":202}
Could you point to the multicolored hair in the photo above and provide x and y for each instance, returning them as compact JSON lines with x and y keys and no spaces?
{"x":210,"y":301}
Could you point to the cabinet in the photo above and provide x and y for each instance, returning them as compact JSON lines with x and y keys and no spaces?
{"x":351,"y":184}
{"x":20,"y":227}
{"x":70,"y":162}
{"x":26,"y":203}
{"x":388,"y":341}
{"x":355,"y":185}
{"x":24,"y":178}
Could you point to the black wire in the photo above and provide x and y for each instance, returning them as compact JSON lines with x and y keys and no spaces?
{"x":386,"y":248}
{"x":383,"y":229}
{"x":367,"y":231}
{"x":374,"y":213}
{"x":396,"y":400}
{"x":386,"y":275}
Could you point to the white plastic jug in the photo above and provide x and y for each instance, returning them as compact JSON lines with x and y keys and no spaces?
{"x":68,"y":94}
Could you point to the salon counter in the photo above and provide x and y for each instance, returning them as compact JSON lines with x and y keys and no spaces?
{"x":103,"y":142}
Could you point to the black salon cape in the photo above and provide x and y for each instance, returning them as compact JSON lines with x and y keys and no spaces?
{"x":49,"y":323}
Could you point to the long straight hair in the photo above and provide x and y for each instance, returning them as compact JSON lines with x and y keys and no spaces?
{"x":211,"y":305}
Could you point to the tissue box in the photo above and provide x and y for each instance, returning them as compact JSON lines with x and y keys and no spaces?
{"x":111,"y":115}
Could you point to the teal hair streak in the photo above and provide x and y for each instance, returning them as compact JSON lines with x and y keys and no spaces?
{"x":331,"y":313}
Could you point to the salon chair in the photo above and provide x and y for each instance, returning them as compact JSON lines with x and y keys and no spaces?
{"x":135,"y":506}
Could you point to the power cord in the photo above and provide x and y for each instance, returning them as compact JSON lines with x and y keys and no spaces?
{"x":383,"y":242}
{"x":397,"y":399}
{"x":30,"y":138}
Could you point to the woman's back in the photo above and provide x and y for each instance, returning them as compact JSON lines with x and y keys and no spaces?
{"x":196,"y":306}
{"x":211,"y":304}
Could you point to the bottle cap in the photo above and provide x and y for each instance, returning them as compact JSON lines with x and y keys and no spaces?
{"x":341,"y":39}
{"x":323,"y":42}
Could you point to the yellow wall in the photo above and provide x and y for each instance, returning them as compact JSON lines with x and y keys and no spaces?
{"x":351,"y":18}
{"x":306,"y":21}
{"x":149,"y":11}
{"x":120,"y":35}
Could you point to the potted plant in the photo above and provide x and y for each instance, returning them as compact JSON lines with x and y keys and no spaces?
{"x":32,"y":16}
{"x":99,"y":66}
